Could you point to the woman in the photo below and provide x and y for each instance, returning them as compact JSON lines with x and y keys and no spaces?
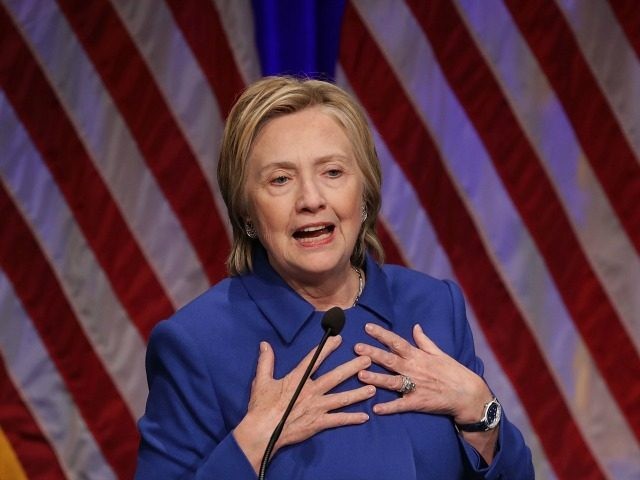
{"x":398,"y":395}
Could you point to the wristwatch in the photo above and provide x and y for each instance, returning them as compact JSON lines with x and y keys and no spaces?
{"x":490,"y":418}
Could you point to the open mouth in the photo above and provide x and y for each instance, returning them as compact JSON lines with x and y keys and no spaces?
{"x":313,"y":232}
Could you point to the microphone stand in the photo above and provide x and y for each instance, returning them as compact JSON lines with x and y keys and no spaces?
{"x":332,"y":323}
{"x":278,"y":430}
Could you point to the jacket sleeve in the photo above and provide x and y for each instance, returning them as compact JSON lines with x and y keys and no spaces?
{"x":183,"y":433}
{"x":512,"y":458}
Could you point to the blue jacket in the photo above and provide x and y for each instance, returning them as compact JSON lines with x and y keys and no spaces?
{"x":200,"y":364}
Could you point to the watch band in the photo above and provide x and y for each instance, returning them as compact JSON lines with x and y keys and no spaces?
{"x":490,"y":418}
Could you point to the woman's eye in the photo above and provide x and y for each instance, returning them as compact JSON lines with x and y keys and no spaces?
{"x":334,"y":173}
{"x":281,"y":180}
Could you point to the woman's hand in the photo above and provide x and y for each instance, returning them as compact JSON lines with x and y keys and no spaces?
{"x":443,"y":385}
{"x":312,"y":412}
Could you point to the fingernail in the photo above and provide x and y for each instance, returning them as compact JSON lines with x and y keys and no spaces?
{"x":359,"y":347}
{"x":371,"y":390}
{"x":365,"y":417}
{"x":368,"y":327}
{"x":363,"y":374}
{"x":417,"y":325}
{"x":263,"y":347}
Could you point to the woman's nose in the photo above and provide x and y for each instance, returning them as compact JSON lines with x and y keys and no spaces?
{"x":310,"y":196}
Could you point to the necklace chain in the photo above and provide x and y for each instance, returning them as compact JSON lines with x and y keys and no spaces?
{"x":360,"y":284}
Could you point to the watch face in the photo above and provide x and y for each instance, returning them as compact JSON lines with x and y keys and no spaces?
{"x":490,"y":419}
{"x":493,"y":414}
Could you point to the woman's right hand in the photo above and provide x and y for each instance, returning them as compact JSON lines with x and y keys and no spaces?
{"x":312,"y":412}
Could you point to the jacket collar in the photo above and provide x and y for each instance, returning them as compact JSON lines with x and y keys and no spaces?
{"x":376,"y":296}
{"x":287,"y":311}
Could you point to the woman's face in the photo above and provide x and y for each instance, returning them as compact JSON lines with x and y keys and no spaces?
{"x":305,"y":196}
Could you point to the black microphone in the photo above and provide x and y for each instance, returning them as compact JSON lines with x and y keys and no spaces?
{"x":332,"y":323}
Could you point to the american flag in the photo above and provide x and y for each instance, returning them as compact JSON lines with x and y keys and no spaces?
{"x":509,"y":136}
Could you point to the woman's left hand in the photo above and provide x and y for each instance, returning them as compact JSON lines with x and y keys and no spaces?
{"x":443,"y":385}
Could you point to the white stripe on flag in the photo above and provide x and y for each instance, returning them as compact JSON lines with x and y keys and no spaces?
{"x":514,"y":253}
{"x":113,"y":337}
{"x":185,"y":89}
{"x":42,"y":389}
{"x":237,"y":20}
{"x":180,"y":78}
{"x":542,"y":117}
{"x":419,"y":244}
{"x":612,"y":60}
{"x":116,"y":155}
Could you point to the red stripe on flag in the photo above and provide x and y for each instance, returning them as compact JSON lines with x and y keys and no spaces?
{"x":36,"y":285}
{"x":535,"y":198}
{"x":392,"y":253}
{"x":504,"y":326}
{"x":608,"y":151}
{"x":166,"y":151}
{"x":201,"y":26}
{"x":98,"y":216}
{"x":37,"y":458}
{"x":627,"y":13}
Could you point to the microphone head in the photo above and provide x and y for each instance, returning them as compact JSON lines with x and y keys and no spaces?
{"x":333,"y":321}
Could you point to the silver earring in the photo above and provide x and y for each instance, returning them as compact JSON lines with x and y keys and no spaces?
{"x":364,"y":213}
{"x":250,"y":230}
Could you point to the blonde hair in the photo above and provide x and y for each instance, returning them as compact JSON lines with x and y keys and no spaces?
{"x":272,"y":97}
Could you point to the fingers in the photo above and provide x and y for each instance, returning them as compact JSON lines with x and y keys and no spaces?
{"x":339,"y":374}
{"x":422,"y":341}
{"x":394,"y":342}
{"x":341,"y":419}
{"x":332,"y":344}
{"x":321,"y":415}
{"x":381,"y":380}
{"x":388,"y":360}
{"x":304,"y":427}
{"x":392,"y":360}
{"x":402,"y":404}
{"x":266,"y":358}
{"x":264,"y":370}
{"x":335,"y":401}
{"x":399,"y":348}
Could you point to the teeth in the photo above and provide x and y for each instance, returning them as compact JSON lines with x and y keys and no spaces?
{"x":312,"y":229}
